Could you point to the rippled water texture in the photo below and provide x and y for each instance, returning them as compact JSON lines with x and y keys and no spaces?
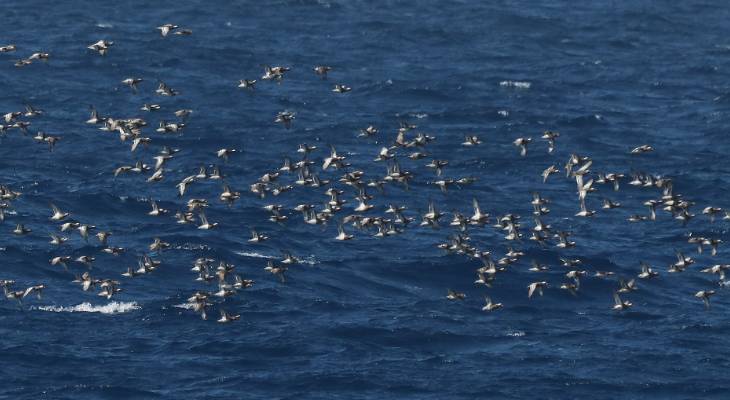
{"x":367,"y":318}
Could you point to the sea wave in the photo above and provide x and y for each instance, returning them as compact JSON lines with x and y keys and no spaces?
{"x":191,"y":246}
{"x":253,"y":254}
{"x":115,"y":307}
{"x":516,"y":84}
{"x":310,"y":260}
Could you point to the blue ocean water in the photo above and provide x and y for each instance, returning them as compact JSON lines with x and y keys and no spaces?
{"x":367,"y":318}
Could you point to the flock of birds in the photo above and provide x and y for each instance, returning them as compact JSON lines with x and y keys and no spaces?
{"x":305,"y":172}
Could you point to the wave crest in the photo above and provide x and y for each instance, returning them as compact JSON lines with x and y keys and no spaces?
{"x":310,"y":260}
{"x":114,"y":307}
{"x":185,"y":306}
{"x":516,"y":84}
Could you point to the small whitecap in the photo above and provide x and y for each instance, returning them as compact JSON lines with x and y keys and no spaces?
{"x":114,"y":307}
{"x":104,"y":25}
{"x":185,"y":306}
{"x":503,"y":113}
{"x":516,"y":334}
{"x":421,"y":116}
{"x":252,"y":254}
{"x":516,"y":84}
{"x":191,"y":246}
{"x":309,"y":260}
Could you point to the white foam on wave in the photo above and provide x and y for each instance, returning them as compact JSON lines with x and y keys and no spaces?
{"x":186,"y":306}
{"x":115,"y":307}
{"x":516,"y":334}
{"x":309,"y":260}
{"x":104,"y":25}
{"x":137,"y":199}
{"x":516,"y":84}
{"x":191,"y":246}
{"x":253,"y":254}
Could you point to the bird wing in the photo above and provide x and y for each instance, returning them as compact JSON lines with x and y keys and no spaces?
{"x":27,"y":291}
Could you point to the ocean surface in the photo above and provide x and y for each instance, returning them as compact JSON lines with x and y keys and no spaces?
{"x":367,"y":318}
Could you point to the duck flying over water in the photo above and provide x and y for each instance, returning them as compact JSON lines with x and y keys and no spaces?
{"x":522,"y":144}
{"x":247,"y":84}
{"x":471,"y":140}
{"x":536,"y":287}
{"x":132,"y":83}
{"x":102,"y":46}
{"x":164,"y":90}
{"x":550,"y":136}
{"x":478,"y":218}
{"x":322,"y":70}
{"x":166,"y":29}
{"x":644,"y":148}
{"x":549,"y":171}
{"x":341,"y":235}
{"x":647,"y":272}
{"x":58,"y":215}
{"x":275,"y":270}
{"x":341,"y":89}
{"x":226,"y":317}
{"x":285,"y":118}
{"x":20,"y":229}
{"x":489,"y":305}
{"x":620,"y":305}
{"x":705,"y":296}
{"x":453,"y":295}
{"x":204,"y":224}
{"x":257,"y":237}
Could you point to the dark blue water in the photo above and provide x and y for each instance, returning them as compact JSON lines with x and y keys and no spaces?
{"x":367,"y":318}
